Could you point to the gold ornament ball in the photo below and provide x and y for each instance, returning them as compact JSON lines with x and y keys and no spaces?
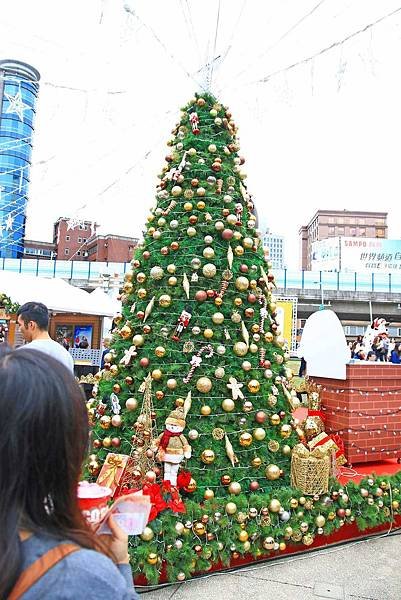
{"x":108,"y":358}
{"x":253,"y":386}
{"x":268,"y":543}
{"x":320,"y":521}
{"x":308,"y":539}
{"x":171,"y":269}
{"x":171,"y":384}
{"x":239,"y":251}
{"x":138,"y":340}
{"x":128,"y":287}
{"x":191,"y":231}
{"x":246,"y":365}
{"x":247,"y":406}
{"x":157,"y":374}
{"x":179,"y":527}
{"x":286,"y":450}
{"x":218,"y":301}
{"x":116,"y":420}
{"x":179,"y":402}
{"x":219,"y":373}
{"x":231,"y":508}
{"x":204,"y":385}
{"x":106,"y":442}
{"x":176,"y":190}
{"x":274,"y":505}
{"x":243,"y":536}
{"x":208,"y":456}
{"x":245,"y":439}
{"x":205,"y":410}
{"x":256,"y":462}
{"x":269,"y":337}
{"x":242,"y":283}
{"x":240,"y":349}
{"x":208,"y":253}
{"x":218,"y":318}
{"x":131,"y":404}
{"x":259,"y":434}
{"x":199,"y":529}
{"x":253,"y":348}
{"x":181,"y":576}
{"x":105,"y":422}
{"x":275,"y":419}
{"x":172,"y":281}
{"x":247,"y":242}
{"x":152,"y":558}
{"x":272,"y":472}
{"x":234,"y":488}
{"x":156,"y":273}
{"x":160,"y":351}
{"x":200,"y":205}
{"x":125,"y":332}
{"x":208,"y":334}
{"x":228,"y":405}
{"x":208,"y":494}
{"x":209,"y":270}
{"x":114,"y":370}
{"x":142,"y":293}
{"x":147,"y":534}
{"x":165,"y":300}
{"x":285,"y":431}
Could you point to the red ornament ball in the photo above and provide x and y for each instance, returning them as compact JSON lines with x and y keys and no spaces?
{"x":260,"y":417}
{"x":252,"y":298}
{"x":253,"y":486}
{"x":115,"y":442}
{"x":140,"y":314}
{"x":267,"y":364}
{"x":244,"y":268}
{"x":146,"y":254}
{"x":227,"y":234}
{"x":144,"y":362}
{"x":200,"y":296}
{"x":341,"y":513}
{"x":211,"y":293}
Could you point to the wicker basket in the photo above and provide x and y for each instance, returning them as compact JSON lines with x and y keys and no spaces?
{"x":309,"y":474}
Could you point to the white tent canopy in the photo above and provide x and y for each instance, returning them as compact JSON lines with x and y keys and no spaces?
{"x":56,"y":294}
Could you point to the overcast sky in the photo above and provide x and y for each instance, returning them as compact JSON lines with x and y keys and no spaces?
{"x":324,"y":134}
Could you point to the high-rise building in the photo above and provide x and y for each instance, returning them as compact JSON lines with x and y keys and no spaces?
{"x":275,"y":245}
{"x":19,"y":86}
{"x":339,"y":223}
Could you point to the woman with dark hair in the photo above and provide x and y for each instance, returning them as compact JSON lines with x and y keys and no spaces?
{"x":43,"y":442}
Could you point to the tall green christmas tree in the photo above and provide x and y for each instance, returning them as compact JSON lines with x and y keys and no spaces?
{"x":195,"y":388}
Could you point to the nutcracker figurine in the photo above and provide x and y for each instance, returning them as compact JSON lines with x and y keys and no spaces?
{"x":183,"y":321}
{"x":194,"y":120}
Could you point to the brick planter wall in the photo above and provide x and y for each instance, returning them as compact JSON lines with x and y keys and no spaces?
{"x":349,"y":412}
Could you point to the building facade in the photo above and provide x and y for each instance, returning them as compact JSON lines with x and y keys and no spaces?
{"x":19,"y":86}
{"x":38,"y":249}
{"x":274,"y":245}
{"x":70,"y":237}
{"x":111,"y":248}
{"x":339,"y":223}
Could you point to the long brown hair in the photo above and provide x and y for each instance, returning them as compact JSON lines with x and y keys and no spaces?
{"x":43,"y":442}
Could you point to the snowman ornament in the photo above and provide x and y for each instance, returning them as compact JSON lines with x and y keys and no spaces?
{"x":172,"y":446}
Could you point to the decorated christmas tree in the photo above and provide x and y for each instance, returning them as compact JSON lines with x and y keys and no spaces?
{"x":194,"y":404}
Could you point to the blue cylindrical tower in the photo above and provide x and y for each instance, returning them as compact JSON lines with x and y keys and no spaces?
{"x":19,"y":86}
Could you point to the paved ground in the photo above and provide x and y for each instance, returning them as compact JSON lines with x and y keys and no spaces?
{"x":364,"y":570}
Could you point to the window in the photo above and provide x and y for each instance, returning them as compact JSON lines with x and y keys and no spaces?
{"x":79,"y":240}
{"x":379,"y":233}
{"x":66,"y":251}
{"x":362,"y":231}
{"x":340,"y":230}
{"x":353,"y":231}
{"x":84,"y":239}
{"x":78,"y":253}
{"x":67,"y":238}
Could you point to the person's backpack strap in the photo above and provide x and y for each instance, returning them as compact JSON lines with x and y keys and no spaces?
{"x":38,"y":568}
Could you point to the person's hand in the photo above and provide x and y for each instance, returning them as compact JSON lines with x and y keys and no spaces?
{"x":117,"y":542}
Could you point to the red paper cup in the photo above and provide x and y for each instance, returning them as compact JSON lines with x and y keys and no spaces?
{"x":92,"y":501}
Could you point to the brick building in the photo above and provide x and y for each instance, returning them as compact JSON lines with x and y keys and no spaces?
{"x":338,"y":223}
{"x":70,"y":238}
{"x":110,"y":248}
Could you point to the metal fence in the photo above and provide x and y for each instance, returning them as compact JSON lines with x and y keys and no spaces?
{"x":93,"y":272}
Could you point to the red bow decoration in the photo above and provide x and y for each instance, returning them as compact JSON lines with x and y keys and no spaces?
{"x":183,"y":479}
{"x":316,"y":413}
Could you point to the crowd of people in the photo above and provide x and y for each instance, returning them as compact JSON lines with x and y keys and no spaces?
{"x":382,"y":349}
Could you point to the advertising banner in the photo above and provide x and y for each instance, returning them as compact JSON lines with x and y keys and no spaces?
{"x":286,"y":319}
{"x":356,"y":254}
